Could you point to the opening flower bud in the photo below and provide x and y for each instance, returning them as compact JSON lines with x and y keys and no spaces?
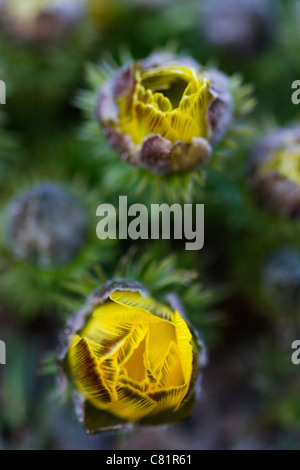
{"x":40,"y":20}
{"x":164,"y":112}
{"x":274,"y":169}
{"x":46,"y":226}
{"x":239,"y":26}
{"x":132,"y":357}
{"x":281,"y":279}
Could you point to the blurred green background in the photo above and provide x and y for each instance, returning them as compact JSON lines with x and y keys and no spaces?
{"x":242,"y":290}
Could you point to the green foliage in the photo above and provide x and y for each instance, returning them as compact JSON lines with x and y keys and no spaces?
{"x":49,"y":133}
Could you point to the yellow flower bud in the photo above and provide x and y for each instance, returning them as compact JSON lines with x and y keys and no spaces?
{"x":165,"y":112}
{"x":40,"y":20}
{"x":274,"y":171}
{"x":134,"y":357}
{"x":285,"y":161}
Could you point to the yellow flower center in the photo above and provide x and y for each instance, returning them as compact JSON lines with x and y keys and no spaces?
{"x":170,"y":100}
{"x":134,"y":357}
{"x":286,"y":162}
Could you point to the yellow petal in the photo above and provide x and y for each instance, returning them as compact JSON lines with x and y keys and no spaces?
{"x":285,"y":161}
{"x":131,"y":343}
{"x":171,"y":372}
{"x":169,"y":399}
{"x":135,"y":366}
{"x":142,"y":387}
{"x":150,"y":120}
{"x":132,"y":404}
{"x":134,"y":299}
{"x":162,"y":78}
{"x":104,"y":336}
{"x":170,"y":100}
{"x":87,"y":374}
{"x":162,"y":103}
{"x":191,"y":89}
{"x":110,"y":373}
{"x":144,"y":96}
{"x":117,"y":332}
{"x":118,"y":317}
{"x":157,"y":344}
{"x":185,"y":348}
{"x":185,"y":127}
